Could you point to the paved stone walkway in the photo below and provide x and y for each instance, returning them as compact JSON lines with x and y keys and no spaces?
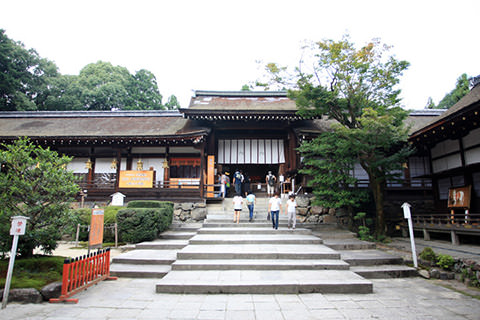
{"x":407,"y":298}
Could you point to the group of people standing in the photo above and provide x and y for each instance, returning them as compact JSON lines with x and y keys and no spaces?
{"x":274,"y":203}
{"x":240,"y":182}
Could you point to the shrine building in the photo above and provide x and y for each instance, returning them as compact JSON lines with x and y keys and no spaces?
{"x":177,"y":155}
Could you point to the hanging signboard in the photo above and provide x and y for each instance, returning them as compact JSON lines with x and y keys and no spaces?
{"x":136,"y":179}
{"x":459,"y":197}
{"x":96,"y":229}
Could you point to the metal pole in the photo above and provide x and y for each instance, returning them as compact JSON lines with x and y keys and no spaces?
{"x":13,"y":253}
{"x":412,"y":243}
{"x":407,"y":215}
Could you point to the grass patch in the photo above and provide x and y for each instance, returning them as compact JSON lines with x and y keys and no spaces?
{"x":34,"y":272}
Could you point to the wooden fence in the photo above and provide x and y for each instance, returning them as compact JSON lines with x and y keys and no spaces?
{"x":82,"y":272}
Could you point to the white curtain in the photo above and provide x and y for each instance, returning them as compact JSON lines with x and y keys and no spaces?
{"x":251,"y":151}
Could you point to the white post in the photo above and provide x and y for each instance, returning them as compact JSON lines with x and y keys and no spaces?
{"x":407,"y":215}
{"x":17,"y":228}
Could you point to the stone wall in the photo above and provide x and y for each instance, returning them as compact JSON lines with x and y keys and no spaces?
{"x":189,"y":212}
{"x":307,"y":213}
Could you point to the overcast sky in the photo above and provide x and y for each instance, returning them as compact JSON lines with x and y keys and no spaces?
{"x":214,"y":45}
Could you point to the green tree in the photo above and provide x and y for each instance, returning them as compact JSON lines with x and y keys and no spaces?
{"x":329,"y":161}
{"x":144,"y":92}
{"x":172,"y":103}
{"x":104,"y":86}
{"x":462,"y":87}
{"x":24,"y":76}
{"x":357,"y":89}
{"x":34,"y":183}
{"x":65,"y":94}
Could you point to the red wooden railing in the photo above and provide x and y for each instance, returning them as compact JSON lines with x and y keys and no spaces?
{"x":82,"y":272}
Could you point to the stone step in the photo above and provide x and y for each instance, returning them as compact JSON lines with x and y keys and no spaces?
{"x":139,"y":270}
{"x":263,"y":282}
{"x":349,"y":244}
{"x":260,"y":264}
{"x":235,"y":238}
{"x":258,"y":251}
{"x":146,"y":257}
{"x":162,"y":244}
{"x":254,"y":224}
{"x":177,"y":235}
{"x":384,"y":271}
{"x":185,"y":227}
{"x":369,"y":257}
{"x":243,"y":219}
{"x":234,"y":229}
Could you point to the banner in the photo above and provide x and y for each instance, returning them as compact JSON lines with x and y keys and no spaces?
{"x":210,"y":176}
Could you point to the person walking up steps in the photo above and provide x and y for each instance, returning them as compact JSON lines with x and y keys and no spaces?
{"x":270,"y":180}
{"x":291,"y":210}
{"x":237,"y":207}
{"x":237,"y":181}
{"x":275,"y":208}
{"x":251,"y":202}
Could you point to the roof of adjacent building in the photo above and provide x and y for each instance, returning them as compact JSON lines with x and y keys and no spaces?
{"x":239,"y":105}
{"x":51,"y":124}
{"x":466,"y":110}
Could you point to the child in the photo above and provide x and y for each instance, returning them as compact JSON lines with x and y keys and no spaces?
{"x":237,"y":207}
{"x":251,"y":201}
{"x":291,"y":206}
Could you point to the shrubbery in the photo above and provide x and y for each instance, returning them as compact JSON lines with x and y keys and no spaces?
{"x":149,"y":204}
{"x":427,"y":254}
{"x":136,"y":224}
{"x":141,"y":220}
{"x":83,"y":217}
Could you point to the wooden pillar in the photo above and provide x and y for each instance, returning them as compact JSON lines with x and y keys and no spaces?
{"x":202,"y":168}
{"x":166,"y":168}
{"x":119,"y":162}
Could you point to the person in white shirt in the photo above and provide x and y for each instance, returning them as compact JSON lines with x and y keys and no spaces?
{"x":291,"y":210}
{"x":275,"y":208}
{"x":237,"y":207}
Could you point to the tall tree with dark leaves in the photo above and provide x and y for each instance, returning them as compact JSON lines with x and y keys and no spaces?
{"x":462,"y":87}
{"x":24,"y":76}
{"x":144,"y":92}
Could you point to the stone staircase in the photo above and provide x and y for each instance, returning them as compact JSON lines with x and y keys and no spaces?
{"x":220,"y":256}
{"x":153,"y":259}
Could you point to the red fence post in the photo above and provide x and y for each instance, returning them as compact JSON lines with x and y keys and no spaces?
{"x":82,"y":272}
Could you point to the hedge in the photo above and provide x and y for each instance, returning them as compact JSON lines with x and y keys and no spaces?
{"x":144,"y":224}
{"x":149,"y":204}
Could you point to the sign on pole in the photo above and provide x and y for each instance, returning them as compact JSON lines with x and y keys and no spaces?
{"x":17,"y":229}
{"x":408,"y":215}
{"x":95,"y":239}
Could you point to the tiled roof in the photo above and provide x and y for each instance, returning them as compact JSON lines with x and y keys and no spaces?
{"x":95,"y":124}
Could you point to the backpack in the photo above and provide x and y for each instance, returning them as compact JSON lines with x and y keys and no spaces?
{"x":270,"y":180}
{"x":238,"y":176}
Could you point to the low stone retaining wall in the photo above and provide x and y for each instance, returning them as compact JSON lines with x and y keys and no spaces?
{"x":464,"y":270}
{"x":31,"y":295}
{"x":313,"y":214}
{"x":189,"y":212}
